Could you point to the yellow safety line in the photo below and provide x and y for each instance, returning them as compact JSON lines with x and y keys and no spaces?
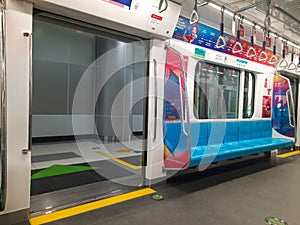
{"x":89,"y":207}
{"x":285,"y":155}
{"x":124,"y":150}
{"x":119,"y":161}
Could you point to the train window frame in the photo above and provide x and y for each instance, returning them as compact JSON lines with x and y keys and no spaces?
{"x":229,"y":74}
{"x":244,"y":112}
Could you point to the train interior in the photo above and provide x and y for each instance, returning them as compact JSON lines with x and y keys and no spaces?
{"x":130,"y":98}
{"x":70,"y":153}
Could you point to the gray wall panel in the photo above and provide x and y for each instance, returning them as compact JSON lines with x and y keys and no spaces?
{"x":50,"y":42}
{"x":86,"y":101}
{"x":50,"y":86}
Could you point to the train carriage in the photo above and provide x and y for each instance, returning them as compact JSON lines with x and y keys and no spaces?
{"x":102,"y":97}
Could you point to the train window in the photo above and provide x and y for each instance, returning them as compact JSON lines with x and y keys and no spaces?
{"x":249,"y":91}
{"x":216,"y":92}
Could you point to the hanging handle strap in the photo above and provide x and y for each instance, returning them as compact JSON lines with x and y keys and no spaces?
{"x":292,"y":65}
{"x":298,"y":66}
{"x":251,"y":51}
{"x":155,"y":100}
{"x":237,"y":48}
{"x":160,"y":7}
{"x":274,"y":59}
{"x":263,"y":55}
{"x":283,"y":63}
{"x":194,"y":18}
{"x":221,"y":42}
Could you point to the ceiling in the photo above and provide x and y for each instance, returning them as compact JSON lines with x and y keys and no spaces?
{"x":284,"y":14}
{"x":286,"y":11}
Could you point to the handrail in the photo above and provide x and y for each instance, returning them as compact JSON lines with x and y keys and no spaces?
{"x":26,"y":151}
{"x":221,"y":42}
{"x":274,"y":60}
{"x":3,"y":132}
{"x":237,"y":48}
{"x":160,"y":9}
{"x":182,"y":108}
{"x":292,"y":65}
{"x":194,"y":18}
{"x":155,"y":100}
{"x":251,"y":51}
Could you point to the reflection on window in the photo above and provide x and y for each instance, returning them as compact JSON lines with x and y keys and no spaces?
{"x":216,"y":92}
{"x":249,"y":90}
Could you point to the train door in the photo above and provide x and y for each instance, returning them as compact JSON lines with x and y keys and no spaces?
{"x":88,"y":112}
{"x":285,"y":99}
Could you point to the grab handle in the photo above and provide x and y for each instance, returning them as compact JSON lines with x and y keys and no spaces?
{"x":160,"y":9}
{"x":274,"y":60}
{"x":26,"y":151}
{"x":221,"y":42}
{"x":251,"y":51}
{"x":283,"y":63}
{"x":155,"y":99}
{"x":3,"y":133}
{"x":263,"y":55}
{"x":194,"y":18}
{"x":298,"y":66}
{"x":237,"y":48}
{"x":292,"y":65}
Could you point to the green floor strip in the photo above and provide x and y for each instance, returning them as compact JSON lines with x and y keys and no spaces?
{"x":56,"y":170}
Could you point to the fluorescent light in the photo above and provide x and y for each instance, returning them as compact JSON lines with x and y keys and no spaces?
{"x":214,"y":6}
{"x":248,"y":22}
{"x":258,"y":27}
{"x":228,"y":13}
{"x":292,"y":44}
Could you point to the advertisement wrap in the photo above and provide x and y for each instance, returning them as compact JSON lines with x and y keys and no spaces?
{"x":205,"y":36}
{"x":176,"y":152}
{"x":281,"y":120}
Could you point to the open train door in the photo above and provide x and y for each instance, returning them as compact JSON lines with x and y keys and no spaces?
{"x":284,"y":98}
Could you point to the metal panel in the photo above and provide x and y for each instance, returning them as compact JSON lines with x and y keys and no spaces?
{"x":137,"y":20}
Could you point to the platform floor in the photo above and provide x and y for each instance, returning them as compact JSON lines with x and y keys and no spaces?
{"x":81,"y":151}
{"x":241,"y":193}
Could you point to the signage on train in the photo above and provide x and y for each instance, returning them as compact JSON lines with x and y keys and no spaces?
{"x":205,"y":36}
{"x":200,"y":53}
{"x":122,"y":3}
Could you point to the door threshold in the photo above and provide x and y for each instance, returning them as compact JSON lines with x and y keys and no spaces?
{"x":62,"y":199}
